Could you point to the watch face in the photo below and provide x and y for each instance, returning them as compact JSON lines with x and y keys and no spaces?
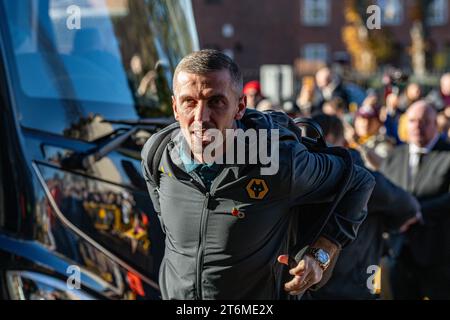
{"x":322,"y":256}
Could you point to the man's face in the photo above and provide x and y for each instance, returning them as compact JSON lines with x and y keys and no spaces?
{"x":323,"y":78}
{"x":445,"y":84}
{"x":422,"y":126}
{"x":205,"y":101}
{"x":413,"y":92}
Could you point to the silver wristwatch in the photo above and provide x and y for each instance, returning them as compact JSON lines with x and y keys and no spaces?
{"x":321,"y":256}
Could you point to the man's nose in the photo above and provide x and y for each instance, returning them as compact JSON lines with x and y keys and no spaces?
{"x":202,"y":112}
{"x":422,"y":128}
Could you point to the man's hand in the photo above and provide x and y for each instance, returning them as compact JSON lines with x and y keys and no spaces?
{"x":307,"y":273}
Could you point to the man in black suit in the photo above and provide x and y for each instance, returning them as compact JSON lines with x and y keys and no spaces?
{"x":422,"y":167}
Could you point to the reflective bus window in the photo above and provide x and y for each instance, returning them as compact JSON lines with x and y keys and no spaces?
{"x":122,"y":52}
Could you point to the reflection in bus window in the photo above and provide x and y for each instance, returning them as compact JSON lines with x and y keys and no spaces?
{"x":122,"y":54}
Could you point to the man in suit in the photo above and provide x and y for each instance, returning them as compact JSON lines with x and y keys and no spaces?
{"x":422,"y":167}
{"x":328,"y":86}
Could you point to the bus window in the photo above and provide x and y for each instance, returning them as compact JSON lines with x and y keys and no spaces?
{"x":118,"y":63}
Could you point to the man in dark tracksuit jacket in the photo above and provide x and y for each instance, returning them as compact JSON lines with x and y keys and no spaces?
{"x":226,"y":224}
{"x":389,"y":209}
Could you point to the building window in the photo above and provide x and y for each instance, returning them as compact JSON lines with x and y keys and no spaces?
{"x":227,"y":30}
{"x":391,"y":12}
{"x":315,"y":12}
{"x":315,"y":52}
{"x":437,"y":13}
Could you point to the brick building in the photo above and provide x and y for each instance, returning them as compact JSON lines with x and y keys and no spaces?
{"x":257,"y":32}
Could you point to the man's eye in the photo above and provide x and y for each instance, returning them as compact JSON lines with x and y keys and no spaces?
{"x":189,"y":102}
{"x":215,"y":102}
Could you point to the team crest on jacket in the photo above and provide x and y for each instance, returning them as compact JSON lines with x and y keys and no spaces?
{"x":257,"y":189}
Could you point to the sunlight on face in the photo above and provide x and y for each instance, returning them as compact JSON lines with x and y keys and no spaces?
{"x":205,"y":101}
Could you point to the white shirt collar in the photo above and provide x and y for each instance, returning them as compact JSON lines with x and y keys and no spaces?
{"x":414,"y":149}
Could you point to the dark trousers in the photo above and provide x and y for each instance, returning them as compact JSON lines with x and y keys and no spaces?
{"x":413,"y":282}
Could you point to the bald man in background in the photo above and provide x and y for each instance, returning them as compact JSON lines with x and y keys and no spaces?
{"x":422,"y":270}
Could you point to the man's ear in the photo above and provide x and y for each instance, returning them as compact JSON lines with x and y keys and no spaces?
{"x":241,"y":107}
{"x":174,"y":107}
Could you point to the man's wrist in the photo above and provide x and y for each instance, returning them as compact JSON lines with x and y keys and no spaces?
{"x":325,"y":244}
{"x":320,"y":256}
{"x":323,"y":251}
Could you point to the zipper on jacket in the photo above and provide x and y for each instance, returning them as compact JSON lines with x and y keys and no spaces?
{"x":202,"y":236}
{"x":201,"y":247}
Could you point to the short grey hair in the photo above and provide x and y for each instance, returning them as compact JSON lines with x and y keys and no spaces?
{"x":207,"y":61}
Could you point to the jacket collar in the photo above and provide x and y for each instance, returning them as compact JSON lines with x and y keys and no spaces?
{"x":414,"y":149}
